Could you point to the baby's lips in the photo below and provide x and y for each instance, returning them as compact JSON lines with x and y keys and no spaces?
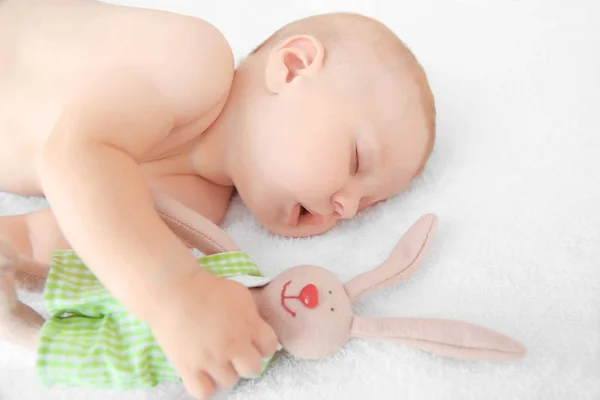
{"x":294,"y":215}
{"x":313,"y":218}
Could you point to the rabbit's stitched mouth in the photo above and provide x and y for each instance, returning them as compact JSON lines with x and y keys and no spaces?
{"x":283,"y":297}
{"x":309,"y":297}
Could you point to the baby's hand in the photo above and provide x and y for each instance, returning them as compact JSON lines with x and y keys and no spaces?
{"x":212,"y":333}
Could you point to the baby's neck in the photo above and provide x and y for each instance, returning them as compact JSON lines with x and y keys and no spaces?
{"x":209,"y":155}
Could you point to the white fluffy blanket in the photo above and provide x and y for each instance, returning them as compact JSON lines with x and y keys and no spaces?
{"x":514,"y":179}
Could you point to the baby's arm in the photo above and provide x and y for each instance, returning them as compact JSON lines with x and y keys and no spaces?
{"x":89,"y":168}
{"x":90,"y":174}
{"x":208,"y":327}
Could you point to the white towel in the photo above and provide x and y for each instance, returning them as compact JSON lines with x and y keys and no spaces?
{"x":515,"y":181}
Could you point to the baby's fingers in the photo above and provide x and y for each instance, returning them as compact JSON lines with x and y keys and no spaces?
{"x":248,"y":362}
{"x":201,"y":386}
{"x":265,"y":339}
{"x":225,"y":375}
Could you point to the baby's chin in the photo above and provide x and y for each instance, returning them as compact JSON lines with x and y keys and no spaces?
{"x":302,"y":230}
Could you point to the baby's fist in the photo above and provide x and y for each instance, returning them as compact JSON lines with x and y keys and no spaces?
{"x":213,"y":334}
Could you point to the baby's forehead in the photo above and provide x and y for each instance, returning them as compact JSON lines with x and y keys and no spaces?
{"x":396,"y":120}
{"x":391,"y":101}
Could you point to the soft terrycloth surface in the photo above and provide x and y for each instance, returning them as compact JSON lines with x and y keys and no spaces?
{"x":514,"y":180}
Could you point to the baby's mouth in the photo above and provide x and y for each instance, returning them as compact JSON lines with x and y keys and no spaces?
{"x":298,"y":211}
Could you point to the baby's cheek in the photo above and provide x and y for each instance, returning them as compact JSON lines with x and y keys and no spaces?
{"x":307,"y":170}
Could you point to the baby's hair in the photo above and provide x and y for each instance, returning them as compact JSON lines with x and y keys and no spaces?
{"x":345,"y":35}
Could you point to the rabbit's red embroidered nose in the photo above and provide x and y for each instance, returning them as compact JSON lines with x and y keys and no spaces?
{"x":309,"y":295}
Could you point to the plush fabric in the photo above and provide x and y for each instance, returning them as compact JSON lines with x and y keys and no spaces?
{"x":513,"y":179}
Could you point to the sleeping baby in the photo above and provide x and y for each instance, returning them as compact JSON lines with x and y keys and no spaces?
{"x":101,"y":103}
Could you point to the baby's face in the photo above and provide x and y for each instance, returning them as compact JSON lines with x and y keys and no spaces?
{"x":313,"y":155}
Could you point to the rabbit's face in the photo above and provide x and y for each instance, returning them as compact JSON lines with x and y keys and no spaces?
{"x":309,"y":309}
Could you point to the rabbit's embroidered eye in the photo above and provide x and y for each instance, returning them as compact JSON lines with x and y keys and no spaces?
{"x":332,"y":309}
{"x":330,"y":292}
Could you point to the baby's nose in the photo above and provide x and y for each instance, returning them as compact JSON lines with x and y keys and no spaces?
{"x":345,"y":202}
{"x":345,"y":209}
{"x":309,"y":296}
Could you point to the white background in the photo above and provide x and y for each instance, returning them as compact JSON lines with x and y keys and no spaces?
{"x":514,"y":179}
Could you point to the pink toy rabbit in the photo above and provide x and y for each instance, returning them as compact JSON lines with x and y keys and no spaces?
{"x":311,"y":310}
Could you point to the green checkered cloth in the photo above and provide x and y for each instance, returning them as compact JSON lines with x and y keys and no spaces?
{"x":90,"y":340}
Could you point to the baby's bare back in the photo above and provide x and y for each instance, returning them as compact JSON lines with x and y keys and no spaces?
{"x":51,"y":48}
{"x":47,"y":49}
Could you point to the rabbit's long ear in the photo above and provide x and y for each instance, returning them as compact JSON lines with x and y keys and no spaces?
{"x":194,"y":229}
{"x":404,"y":259}
{"x":453,"y":339}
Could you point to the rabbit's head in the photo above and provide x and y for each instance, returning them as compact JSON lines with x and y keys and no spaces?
{"x":311,"y":310}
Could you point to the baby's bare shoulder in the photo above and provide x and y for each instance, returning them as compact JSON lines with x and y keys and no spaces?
{"x":188,"y":58}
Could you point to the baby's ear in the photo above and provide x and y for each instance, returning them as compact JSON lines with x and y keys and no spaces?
{"x":402,"y":262}
{"x":295,"y":56}
{"x":453,"y":339}
{"x":191,"y":227}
